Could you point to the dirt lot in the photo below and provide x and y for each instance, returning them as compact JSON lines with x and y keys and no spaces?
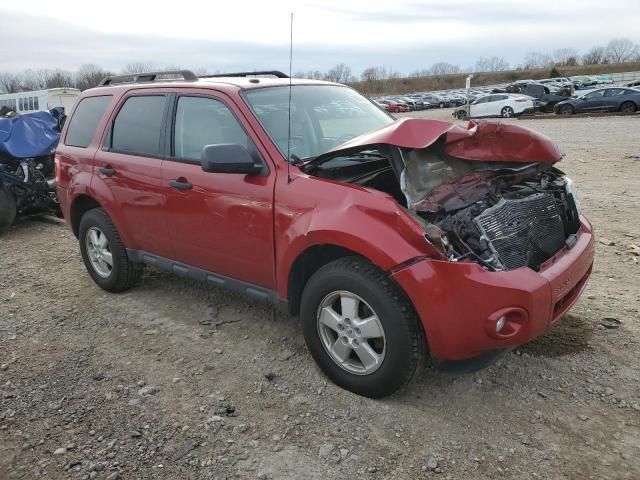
{"x":175,"y":380}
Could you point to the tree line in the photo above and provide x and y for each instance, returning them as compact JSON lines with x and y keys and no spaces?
{"x":618,"y":50}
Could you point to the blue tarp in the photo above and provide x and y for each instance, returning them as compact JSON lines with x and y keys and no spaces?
{"x":29,"y":135}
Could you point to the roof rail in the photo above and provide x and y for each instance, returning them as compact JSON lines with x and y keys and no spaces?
{"x":146,"y":77}
{"x":273,"y":73}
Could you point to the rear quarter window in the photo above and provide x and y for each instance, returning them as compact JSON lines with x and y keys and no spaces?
{"x":85,"y":119}
{"x":136,"y":129}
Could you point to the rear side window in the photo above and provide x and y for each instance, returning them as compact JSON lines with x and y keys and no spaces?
{"x":85,"y":120}
{"x":137,"y":127}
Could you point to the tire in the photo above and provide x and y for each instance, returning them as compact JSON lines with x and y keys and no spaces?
{"x":461,"y":114}
{"x":567,"y":110}
{"x":8,"y":208}
{"x":122,"y":274}
{"x":628,"y":107}
{"x":507,"y":112}
{"x":387,"y":311}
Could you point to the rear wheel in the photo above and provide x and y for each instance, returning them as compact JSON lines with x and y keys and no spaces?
{"x":567,"y":110}
{"x":507,"y":112}
{"x":628,"y":107}
{"x":360,"y":328}
{"x":8,"y":208}
{"x":104,"y":254}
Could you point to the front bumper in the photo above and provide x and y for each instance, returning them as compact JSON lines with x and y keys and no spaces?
{"x":459,"y":303}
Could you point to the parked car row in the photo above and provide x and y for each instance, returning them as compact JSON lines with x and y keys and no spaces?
{"x":547,"y":91}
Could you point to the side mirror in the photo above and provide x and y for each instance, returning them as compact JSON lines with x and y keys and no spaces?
{"x":229,"y":158}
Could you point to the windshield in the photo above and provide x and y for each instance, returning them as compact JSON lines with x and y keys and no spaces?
{"x":322,"y":116}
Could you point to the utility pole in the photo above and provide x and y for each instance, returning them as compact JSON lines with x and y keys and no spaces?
{"x":468,"y":86}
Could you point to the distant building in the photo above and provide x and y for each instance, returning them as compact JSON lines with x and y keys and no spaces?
{"x":40,"y":100}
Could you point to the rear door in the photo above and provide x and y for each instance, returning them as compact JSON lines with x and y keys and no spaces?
{"x":127,"y":170}
{"x":613,"y":98}
{"x":497,"y":103}
{"x":219,"y":222}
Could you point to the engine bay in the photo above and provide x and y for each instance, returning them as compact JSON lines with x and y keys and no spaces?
{"x":501,"y":215}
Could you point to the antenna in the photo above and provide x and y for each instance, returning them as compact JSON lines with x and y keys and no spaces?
{"x":289,"y":121}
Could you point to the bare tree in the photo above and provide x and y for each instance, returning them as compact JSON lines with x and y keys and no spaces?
{"x":420,"y":73}
{"x":33,"y":80}
{"x":58,"y":79}
{"x":537,"y":60}
{"x":138,"y":67}
{"x":444,"y":68}
{"x":621,"y":50}
{"x":491,"y":64}
{"x":341,"y":73}
{"x":369,"y":75}
{"x":89,"y":75}
{"x":314,"y":75}
{"x":10,"y":83}
{"x":565,"y":57}
{"x":594,"y":56}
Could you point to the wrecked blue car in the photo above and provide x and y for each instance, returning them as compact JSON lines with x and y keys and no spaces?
{"x":27,"y":169}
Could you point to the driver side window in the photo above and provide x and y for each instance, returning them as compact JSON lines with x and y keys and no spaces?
{"x":201,"y":121}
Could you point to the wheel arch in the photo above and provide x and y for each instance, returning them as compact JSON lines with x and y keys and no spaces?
{"x":306,"y":264}
{"x":81,"y":205}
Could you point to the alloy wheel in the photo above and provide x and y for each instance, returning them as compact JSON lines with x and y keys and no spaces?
{"x":99,"y":252}
{"x":351,"y":332}
{"x":507,"y":112}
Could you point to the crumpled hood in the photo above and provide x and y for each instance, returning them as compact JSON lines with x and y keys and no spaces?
{"x":483,"y":141}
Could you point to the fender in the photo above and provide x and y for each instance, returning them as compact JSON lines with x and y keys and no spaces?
{"x":365,"y":221}
{"x":99,"y":190}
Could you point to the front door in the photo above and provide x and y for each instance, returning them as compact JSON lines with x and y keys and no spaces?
{"x":593,"y":102}
{"x":220,"y":222}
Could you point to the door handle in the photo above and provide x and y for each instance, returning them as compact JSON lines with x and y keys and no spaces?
{"x":108,"y":171}
{"x":180,"y":184}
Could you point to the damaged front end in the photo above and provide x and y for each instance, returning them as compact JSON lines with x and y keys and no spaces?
{"x":488,"y":194}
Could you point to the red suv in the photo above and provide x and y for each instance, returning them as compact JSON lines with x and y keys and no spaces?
{"x":390,"y":238}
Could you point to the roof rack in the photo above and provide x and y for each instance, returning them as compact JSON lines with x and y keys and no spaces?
{"x":146,"y":77}
{"x":273,"y":73}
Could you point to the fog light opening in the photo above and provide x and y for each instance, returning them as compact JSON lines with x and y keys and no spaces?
{"x":500,"y":323}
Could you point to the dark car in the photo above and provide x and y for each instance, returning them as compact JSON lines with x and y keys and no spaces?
{"x":602,"y":100}
{"x":437,"y":100}
{"x":548,"y":101}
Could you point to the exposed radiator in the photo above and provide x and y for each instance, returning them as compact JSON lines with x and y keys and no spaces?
{"x":523,"y":232}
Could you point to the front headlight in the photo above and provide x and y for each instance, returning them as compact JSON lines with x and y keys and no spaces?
{"x":571,"y":188}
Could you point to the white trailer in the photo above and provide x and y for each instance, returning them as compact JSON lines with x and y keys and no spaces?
{"x":40,"y":100}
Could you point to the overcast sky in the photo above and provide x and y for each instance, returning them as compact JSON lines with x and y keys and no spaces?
{"x":248,"y":35}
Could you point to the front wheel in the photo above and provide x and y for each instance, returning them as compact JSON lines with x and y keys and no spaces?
{"x":566,"y":110}
{"x":461,"y":114}
{"x":360,"y":328}
{"x":104,"y":254}
{"x":507,"y":112}
{"x":8,"y":208}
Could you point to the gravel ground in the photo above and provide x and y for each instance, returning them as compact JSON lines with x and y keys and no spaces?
{"x":176,"y":380}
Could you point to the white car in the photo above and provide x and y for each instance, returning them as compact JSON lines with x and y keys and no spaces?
{"x":498,"y":105}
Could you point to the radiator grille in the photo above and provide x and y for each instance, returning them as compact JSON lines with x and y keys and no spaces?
{"x":523,"y":232}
